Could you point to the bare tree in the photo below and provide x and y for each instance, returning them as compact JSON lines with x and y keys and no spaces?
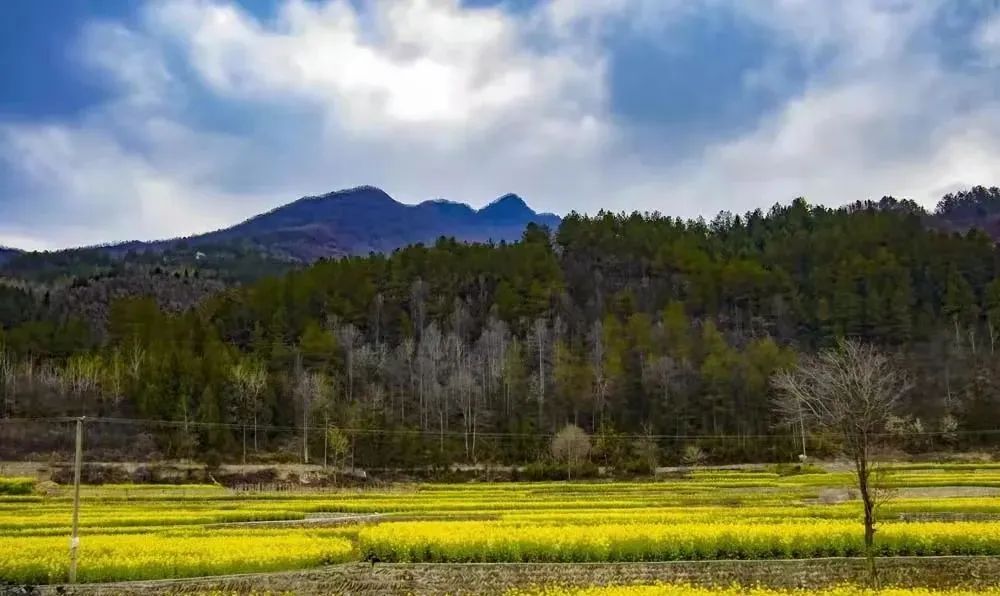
{"x":80,"y":376}
{"x":429,"y":357}
{"x":134,"y":359}
{"x":378,"y":305}
{"x":600,"y":393}
{"x":418,"y":310}
{"x":348,"y":338}
{"x":571,"y":445}
{"x":8,"y":381}
{"x":312,"y":389}
{"x":540,"y":340}
{"x":250,"y":378}
{"x":851,"y":391}
{"x":659,"y":375}
{"x":113,"y":379}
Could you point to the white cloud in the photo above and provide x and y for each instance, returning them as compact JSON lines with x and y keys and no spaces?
{"x":988,"y":41}
{"x":425,"y":98}
{"x":421,"y":64}
{"x":101,"y":186}
{"x":219,"y":114}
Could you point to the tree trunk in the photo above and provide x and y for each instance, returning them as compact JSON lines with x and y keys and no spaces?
{"x":802,"y":430}
{"x":868,"y":501}
{"x":326,"y":437}
{"x":305,"y":435}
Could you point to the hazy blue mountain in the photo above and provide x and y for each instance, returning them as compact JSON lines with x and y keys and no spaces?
{"x":366,"y":219}
{"x":355,"y":221}
{"x":7,"y":253}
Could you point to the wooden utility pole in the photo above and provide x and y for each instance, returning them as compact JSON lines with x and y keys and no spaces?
{"x":74,"y":541}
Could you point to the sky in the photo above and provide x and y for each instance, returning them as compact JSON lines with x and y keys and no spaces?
{"x":122,"y":119}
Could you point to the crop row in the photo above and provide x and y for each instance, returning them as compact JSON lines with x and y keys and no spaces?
{"x":472,"y":541}
{"x":52,"y":517}
{"x":177,"y":554}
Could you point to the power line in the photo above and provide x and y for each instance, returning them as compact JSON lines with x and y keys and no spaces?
{"x":437,"y":433}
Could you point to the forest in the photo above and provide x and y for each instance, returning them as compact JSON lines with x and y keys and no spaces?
{"x":653,"y":334}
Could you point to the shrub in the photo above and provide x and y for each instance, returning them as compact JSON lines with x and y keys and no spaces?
{"x":17,"y":486}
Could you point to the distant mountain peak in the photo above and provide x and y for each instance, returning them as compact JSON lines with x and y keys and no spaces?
{"x":507,"y":201}
{"x":356,"y":221}
{"x":509,"y":207}
{"x":364,"y":193}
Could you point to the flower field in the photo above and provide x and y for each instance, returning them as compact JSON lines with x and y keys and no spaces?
{"x":177,"y":553}
{"x":500,"y":542}
{"x":149,"y":532}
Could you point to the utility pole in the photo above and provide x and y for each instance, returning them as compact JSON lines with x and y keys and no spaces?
{"x":74,"y":541}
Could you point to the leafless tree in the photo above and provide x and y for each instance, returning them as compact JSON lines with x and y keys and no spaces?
{"x":113,"y":379}
{"x":597,"y":364}
{"x":658,"y":375}
{"x":378,"y":305}
{"x":540,"y":340}
{"x":250,"y":378}
{"x":404,"y":357}
{"x":8,"y":380}
{"x":135,"y":358}
{"x":348,"y":338}
{"x":429,"y":357}
{"x":850,"y":391}
{"x":312,"y":389}
{"x":80,"y":376}
{"x":571,"y":445}
{"x":418,"y":311}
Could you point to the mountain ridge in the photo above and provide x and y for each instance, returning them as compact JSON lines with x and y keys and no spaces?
{"x":351,"y":221}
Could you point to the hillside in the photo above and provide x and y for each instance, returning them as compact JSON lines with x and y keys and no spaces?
{"x":621,"y":323}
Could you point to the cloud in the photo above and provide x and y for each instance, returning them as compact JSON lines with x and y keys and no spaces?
{"x":988,"y":41}
{"x":215,"y":113}
{"x":424,"y":98}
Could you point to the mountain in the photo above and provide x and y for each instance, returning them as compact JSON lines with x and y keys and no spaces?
{"x":7,"y":254}
{"x":361,"y":220}
{"x":366,"y":219}
{"x":355,"y":221}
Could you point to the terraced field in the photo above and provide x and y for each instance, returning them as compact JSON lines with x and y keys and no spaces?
{"x":152,"y":532}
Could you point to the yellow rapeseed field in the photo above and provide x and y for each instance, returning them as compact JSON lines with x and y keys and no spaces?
{"x":168,"y":554}
{"x":146,"y":532}
{"x":466,"y":541}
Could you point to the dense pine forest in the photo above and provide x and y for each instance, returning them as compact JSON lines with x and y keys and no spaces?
{"x":653,"y":334}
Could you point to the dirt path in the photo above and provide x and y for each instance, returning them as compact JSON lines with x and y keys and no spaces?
{"x":309,"y":521}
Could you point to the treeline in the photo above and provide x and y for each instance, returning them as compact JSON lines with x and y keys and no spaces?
{"x":642,"y":329}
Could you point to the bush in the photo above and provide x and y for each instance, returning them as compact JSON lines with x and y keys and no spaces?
{"x":17,"y":486}
{"x":785,"y":469}
{"x":547,"y":470}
